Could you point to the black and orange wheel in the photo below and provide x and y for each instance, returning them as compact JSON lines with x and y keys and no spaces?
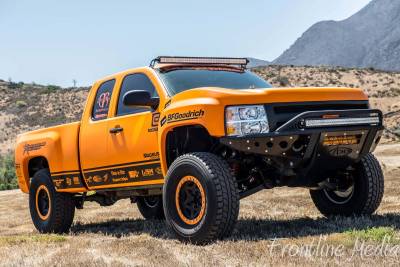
{"x":361,"y":195}
{"x":51,"y":212}
{"x":151,"y":207}
{"x":200,"y":196}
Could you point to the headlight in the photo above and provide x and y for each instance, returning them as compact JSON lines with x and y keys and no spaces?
{"x":244,"y":120}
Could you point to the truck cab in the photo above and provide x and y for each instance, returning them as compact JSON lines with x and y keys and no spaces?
{"x":187,"y":138}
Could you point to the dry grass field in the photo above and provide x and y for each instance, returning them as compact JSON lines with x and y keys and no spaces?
{"x":276,"y":227}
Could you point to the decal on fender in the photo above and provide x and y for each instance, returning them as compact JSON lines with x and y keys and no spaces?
{"x":33,"y":147}
{"x":178,"y":116}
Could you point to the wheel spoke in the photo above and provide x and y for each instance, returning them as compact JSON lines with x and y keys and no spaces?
{"x":190,"y":200}
{"x":43,"y":202}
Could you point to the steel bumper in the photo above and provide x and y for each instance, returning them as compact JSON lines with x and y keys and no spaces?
{"x":294,"y":145}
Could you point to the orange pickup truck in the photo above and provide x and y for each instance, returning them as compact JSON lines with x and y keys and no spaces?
{"x":187,"y":138}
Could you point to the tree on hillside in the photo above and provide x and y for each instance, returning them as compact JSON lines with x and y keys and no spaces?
{"x":14,"y":85}
{"x":8,"y":179}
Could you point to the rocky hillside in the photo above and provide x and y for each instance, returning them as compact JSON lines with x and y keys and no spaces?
{"x":369,"y":38}
{"x":25,"y":107}
{"x":255,"y":62}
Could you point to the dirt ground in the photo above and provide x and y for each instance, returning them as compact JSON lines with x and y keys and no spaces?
{"x":275,"y":227}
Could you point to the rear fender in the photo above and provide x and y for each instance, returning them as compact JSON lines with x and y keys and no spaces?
{"x":45,"y":145}
{"x":58,"y":145}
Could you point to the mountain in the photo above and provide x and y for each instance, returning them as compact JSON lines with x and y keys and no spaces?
{"x":369,"y":38}
{"x":255,"y":62}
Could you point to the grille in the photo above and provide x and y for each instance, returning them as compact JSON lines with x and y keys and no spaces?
{"x":279,"y":114}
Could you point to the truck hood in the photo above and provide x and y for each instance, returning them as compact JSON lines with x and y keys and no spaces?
{"x":272,"y":95}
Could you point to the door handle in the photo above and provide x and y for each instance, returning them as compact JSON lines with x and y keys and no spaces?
{"x":116,"y":129}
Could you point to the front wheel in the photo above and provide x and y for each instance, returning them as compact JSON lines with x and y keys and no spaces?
{"x":200,"y":196}
{"x":362,"y":195}
{"x":51,"y":211}
{"x":151,"y":207}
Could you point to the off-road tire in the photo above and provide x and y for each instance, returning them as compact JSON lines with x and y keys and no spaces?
{"x":221,"y":197}
{"x":151,"y":210}
{"x":62,"y":206}
{"x":367,"y":194}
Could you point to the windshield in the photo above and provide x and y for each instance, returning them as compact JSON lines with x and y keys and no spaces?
{"x":179,"y":80}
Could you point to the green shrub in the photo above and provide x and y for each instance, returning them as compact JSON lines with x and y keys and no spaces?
{"x":8,"y":179}
{"x":12,"y":85}
{"x":374,"y":233}
{"x":21,"y":104}
{"x":52,"y":88}
{"x":283,"y":81}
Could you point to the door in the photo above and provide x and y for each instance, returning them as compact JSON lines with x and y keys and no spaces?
{"x":132,"y":148}
{"x":93,"y":132}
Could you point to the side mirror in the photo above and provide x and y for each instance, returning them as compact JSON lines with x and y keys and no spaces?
{"x":140,"y":98}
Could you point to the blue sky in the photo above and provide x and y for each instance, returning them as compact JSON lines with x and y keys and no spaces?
{"x":54,"y":42}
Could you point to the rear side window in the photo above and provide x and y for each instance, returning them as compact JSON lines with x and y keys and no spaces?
{"x":137,"y":81}
{"x":102,"y":100}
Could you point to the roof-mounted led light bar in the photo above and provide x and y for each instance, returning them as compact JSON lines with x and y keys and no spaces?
{"x":242,"y":62}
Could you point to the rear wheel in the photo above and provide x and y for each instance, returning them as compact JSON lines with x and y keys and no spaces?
{"x":361,"y":194}
{"x":51,"y":212}
{"x":151,"y":207}
{"x":201,"y":201}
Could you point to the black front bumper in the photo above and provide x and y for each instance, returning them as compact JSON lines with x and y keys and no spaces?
{"x":296,"y":149}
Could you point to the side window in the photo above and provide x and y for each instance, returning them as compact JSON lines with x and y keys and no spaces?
{"x":102,"y":100}
{"x":137,"y":81}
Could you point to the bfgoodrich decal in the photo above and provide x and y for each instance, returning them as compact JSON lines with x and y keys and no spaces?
{"x":182,"y":116}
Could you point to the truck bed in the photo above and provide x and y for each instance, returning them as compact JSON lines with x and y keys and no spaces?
{"x":58,"y":144}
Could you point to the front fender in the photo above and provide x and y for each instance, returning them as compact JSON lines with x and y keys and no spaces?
{"x":205,"y":112}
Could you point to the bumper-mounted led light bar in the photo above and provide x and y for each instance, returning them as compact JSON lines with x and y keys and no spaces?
{"x":314,"y":123}
{"x":242,"y":62}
